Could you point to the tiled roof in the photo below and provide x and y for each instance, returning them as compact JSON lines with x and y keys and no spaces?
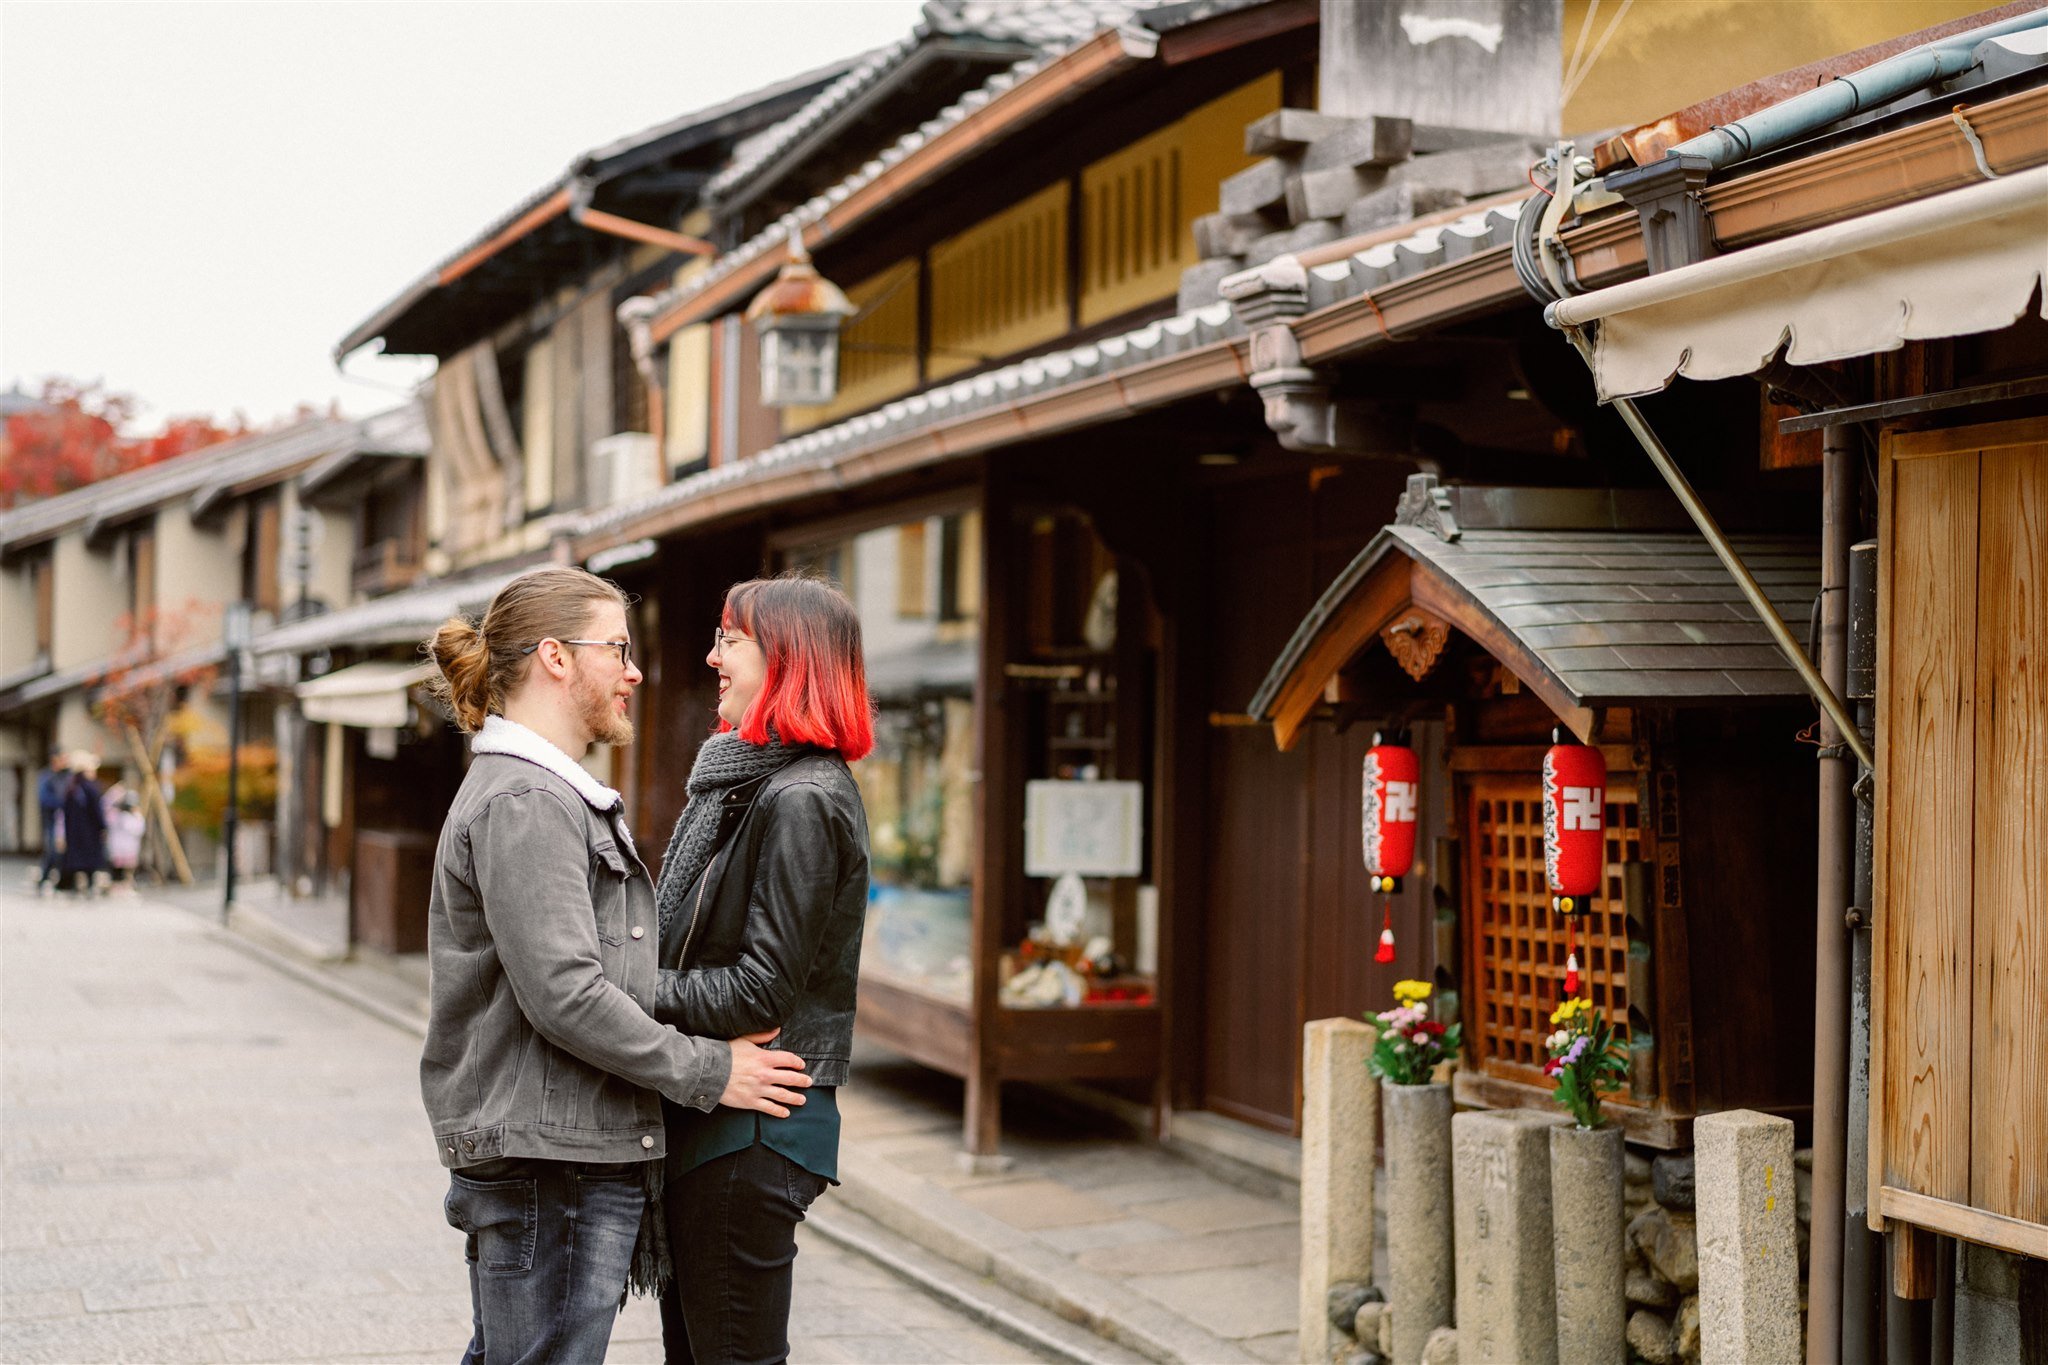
{"x":1160,"y":18}
{"x":1041,"y":25}
{"x":598,"y":164}
{"x":205,"y":475}
{"x":1613,"y":616}
{"x":945,"y":402}
{"x":400,"y":618}
{"x":1370,"y":268}
{"x":1425,"y":249}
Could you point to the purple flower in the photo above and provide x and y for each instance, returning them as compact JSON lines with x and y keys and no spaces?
{"x":1577,"y":1050}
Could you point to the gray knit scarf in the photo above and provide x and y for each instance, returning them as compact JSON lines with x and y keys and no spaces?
{"x":724,"y":762}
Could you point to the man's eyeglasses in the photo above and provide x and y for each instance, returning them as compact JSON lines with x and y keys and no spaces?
{"x":721,"y":641}
{"x":625,"y":648}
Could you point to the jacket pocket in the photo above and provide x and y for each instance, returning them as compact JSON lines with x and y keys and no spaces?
{"x":609,"y":873}
{"x":503,"y":1216}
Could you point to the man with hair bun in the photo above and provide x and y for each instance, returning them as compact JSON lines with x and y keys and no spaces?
{"x":543,"y":1072}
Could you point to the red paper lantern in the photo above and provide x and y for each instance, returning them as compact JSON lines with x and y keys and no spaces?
{"x":1393,"y":776}
{"x":1574,"y":825}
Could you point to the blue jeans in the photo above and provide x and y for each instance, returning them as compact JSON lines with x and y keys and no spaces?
{"x":549,"y":1247}
{"x":51,"y":869}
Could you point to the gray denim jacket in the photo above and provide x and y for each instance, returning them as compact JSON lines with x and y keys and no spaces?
{"x":542,"y":941}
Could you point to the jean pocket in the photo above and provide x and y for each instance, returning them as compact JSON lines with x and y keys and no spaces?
{"x":503,"y":1216}
{"x":804,"y":1186}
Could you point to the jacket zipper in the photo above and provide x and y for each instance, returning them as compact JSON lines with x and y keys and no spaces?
{"x":696,"y":917}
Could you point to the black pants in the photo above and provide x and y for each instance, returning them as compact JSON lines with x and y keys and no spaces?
{"x":732,"y":1237}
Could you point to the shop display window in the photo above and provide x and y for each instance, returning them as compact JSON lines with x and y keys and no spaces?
{"x":922,"y":652}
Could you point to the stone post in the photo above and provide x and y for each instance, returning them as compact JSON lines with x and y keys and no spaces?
{"x":1747,"y":1193}
{"x":1420,"y":1277}
{"x":1507,"y":1295}
{"x":1339,"y":1132}
{"x":1586,"y":1233}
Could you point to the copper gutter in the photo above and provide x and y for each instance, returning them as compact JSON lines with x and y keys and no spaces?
{"x":1650,"y":141}
{"x":1828,"y":187}
{"x":547,"y":210}
{"x":1908,"y":163}
{"x":1105,"y":56}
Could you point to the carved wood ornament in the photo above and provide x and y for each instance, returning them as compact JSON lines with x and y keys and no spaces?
{"x":1416,"y":640}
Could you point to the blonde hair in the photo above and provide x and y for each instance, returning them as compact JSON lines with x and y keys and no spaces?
{"x":482,"y":663}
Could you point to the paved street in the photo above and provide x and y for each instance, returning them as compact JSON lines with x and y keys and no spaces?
{"x":204,"y":1160}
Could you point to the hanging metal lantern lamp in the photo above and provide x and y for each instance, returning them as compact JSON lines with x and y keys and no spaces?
{"x":1574,"y":837}
{"x":1393,"y":776}
{"x":798,"y":319}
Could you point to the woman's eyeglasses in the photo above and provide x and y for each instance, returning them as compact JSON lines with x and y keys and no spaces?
{"x":721,"y":641}
{"x":625,"y":648}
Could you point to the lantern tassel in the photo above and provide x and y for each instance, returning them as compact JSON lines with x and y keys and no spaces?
{"x":1571,"y":960}
{"x":1386,"y":948}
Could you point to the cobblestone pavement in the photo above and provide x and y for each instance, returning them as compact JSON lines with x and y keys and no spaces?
{"x":204,"y":1160}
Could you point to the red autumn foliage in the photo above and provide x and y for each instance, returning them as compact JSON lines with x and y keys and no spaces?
{"x":74,"y":437}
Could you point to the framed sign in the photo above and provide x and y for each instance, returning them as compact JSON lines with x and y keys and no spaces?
{"x":1095,"y":829}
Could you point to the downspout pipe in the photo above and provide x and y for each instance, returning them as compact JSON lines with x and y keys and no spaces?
{"x":1832,"y":896}
{"x":1752,"y":591}
{"x":1786,"y":122}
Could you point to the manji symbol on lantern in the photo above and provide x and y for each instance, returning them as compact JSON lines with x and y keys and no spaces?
{"x":1392,"y":775}
{"x":1574,"y":837}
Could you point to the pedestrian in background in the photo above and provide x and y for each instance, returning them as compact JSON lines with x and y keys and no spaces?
{"x":542,"y":1072}
{"x":762,"y":900}
{"x":85,"y":825}
{"x":125,"y":830}
{"x":50,"y":785}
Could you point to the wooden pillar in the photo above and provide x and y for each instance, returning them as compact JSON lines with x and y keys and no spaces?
{"x":998,"y":814}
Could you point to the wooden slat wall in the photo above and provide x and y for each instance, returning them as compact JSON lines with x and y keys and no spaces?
{"x":1960,"y":1074}
{"x":1001,"y":286}
{"x":1925,"y":914}
{"x":2009,"y":1076}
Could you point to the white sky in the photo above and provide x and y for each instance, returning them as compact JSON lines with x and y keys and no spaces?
{"x":198,"y":200}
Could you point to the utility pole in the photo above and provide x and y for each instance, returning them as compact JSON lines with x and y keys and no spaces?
{"x":235,"y":627}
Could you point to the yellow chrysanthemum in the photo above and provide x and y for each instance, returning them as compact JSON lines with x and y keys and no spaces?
{"x":1570,"y":1010}
{"x":1408,"y":992}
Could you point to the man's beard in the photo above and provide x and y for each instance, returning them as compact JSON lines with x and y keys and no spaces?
{"x":605,"y":724}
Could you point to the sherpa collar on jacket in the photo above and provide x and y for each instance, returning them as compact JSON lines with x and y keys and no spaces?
{"x":509,"y":737}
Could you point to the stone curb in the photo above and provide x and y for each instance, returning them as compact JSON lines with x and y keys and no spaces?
{"x":1006,"y":1314}
{"x":923,"y":1215}
{"x":931,"y":1218}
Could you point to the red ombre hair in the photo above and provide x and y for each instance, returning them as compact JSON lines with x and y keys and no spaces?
{"x":816,"y":690}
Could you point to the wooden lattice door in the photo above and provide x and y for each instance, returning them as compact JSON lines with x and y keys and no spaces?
{"x":1516,"y":944}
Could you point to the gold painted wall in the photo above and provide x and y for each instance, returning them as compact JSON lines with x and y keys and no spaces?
{"x":1138,"y":206}
{"x":1630,"y":63}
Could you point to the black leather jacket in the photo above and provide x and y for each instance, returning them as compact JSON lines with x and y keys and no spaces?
{"x":770,"y":934}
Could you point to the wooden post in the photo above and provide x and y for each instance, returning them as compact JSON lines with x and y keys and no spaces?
{"x":153,"y":801}
{"x":996,"y":810}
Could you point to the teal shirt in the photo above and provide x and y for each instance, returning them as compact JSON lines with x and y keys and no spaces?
{"x":809,"y":1136}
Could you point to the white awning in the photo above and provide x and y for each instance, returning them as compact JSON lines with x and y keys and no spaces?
{"x":1949,"y":265}
{"x":370,"y":695}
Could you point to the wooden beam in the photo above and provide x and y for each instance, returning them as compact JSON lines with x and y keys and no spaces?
{"x":1951,"y":1219}
{"x":548,"y":209}
{"x":597,"y":220}
{"x":1383,"y":594}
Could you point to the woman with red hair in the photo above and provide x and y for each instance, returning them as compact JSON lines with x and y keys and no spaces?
{"x":762,"y":899}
